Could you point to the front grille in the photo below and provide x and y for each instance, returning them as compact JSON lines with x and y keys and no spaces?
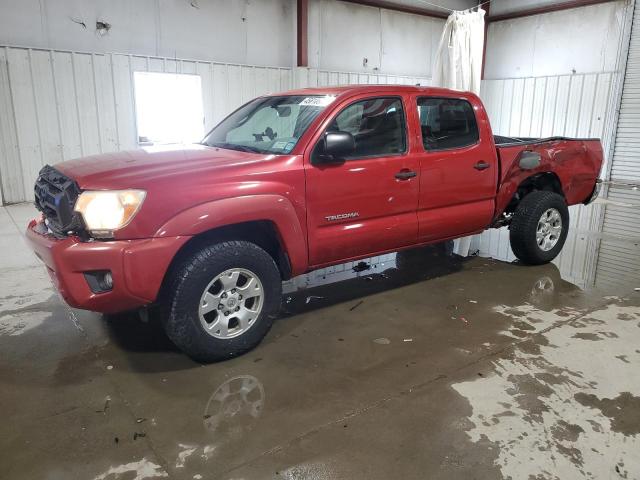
{"x":55,"y":197}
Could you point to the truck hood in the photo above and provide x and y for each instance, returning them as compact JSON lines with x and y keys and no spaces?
{"x":145,"y":166}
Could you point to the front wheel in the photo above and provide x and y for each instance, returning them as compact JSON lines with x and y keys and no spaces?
{"x":221,"y":299}
{"x":539,"y":227}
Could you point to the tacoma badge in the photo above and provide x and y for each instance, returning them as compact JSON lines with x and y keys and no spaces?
{"x":342,"y":216}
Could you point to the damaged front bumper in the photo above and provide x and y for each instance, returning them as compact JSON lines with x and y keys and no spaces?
{"x":136,"y":268}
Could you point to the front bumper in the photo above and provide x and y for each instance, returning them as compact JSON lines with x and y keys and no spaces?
{"x":137,"y":267}
{"x":596,"y":191}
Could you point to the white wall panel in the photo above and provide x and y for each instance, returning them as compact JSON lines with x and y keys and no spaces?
{"x":59,"y":105}
{"x":579,"y":40}
{"x":10,"y":161}
{"x":121,"y":76}
{"x":310,"y":77}
{"x":626,"y":155}
{"x":75,"y":104}
{"x":342,"y":35}
{"x":619,"y":259}
{"x":245,"y":31}
{"x":26,"y":117}
{"x":568,"y":105}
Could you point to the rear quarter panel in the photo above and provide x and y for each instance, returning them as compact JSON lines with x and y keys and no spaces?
{"x":577,"y":164}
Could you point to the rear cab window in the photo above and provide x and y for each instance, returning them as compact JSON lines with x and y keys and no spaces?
{"x":447,"y":123}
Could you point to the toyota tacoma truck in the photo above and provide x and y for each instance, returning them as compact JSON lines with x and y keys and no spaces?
{"x":289,"y":183}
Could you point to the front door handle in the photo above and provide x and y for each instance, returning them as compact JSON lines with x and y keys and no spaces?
{"x":481,"y":165}
{"x":405,"y":174}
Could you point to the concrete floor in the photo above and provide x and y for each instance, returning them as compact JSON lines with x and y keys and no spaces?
{"x":427,"y":366}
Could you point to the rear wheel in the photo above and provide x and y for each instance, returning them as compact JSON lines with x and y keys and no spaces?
{"x":539,"y":227}
{"x":221,"y":299}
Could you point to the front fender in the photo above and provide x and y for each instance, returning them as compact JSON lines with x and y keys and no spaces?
{"x":230,"y":211}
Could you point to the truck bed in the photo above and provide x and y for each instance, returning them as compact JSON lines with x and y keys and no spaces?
{"x":575,"y":162}
{"x":501,"y":141}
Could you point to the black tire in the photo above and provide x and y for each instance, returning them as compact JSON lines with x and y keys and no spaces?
{"x":525,"y":222}
{"x":188,"y":281}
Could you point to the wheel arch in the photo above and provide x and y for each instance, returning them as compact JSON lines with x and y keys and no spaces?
{"x":263,"y":233}
{"x":269,"y":221}
{"x":515,"y":192}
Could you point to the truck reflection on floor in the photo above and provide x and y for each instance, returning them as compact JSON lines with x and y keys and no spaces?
{"x":539,"y":286}
{"x":366,"y":277}
{"x":233,"y":406}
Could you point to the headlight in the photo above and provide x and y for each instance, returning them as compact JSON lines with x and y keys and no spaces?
{"x":106,"y":211}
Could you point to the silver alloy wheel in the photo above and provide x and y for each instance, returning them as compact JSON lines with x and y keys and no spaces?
{"x":231,"y":303}
{"x":549,"y":229}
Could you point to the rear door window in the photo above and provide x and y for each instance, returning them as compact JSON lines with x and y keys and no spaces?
{"x":447,"y":123}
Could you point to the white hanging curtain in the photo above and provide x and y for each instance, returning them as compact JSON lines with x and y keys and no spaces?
{"x":458,"y":60}
{"x":458,"y":65}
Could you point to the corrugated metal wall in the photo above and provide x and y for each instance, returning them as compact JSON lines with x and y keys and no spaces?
{"x":58,"y":105}
{"x":618,"y":261}
{"x":626,"y":156}
{"x":320,"y":78}
{"x":569,"y":105}
{"x":619,"y":257}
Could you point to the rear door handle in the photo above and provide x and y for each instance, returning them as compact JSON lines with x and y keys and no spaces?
{"x":481,"y":165}
{"x":405,"y":174}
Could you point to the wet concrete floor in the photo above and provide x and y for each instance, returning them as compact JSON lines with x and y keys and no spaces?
{"x":423,"y":364}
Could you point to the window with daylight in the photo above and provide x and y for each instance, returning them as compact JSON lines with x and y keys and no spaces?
{"x":168,"y":108}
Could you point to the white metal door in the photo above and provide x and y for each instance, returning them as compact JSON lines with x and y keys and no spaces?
{"x":625,"y":166}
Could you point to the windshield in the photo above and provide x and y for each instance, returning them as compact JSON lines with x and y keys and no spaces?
{"x":269,"y":124}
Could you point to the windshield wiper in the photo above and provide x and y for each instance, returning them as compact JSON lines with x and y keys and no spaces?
{"x":234,"y":146}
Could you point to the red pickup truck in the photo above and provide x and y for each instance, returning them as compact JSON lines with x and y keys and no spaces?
{"x":289,"y":183}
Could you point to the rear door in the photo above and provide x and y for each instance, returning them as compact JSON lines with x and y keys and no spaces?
{"x":458,"y":168}
{"x":368,"y":203}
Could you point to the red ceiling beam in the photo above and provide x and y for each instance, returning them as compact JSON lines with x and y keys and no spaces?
{"x":546,"y":9}
{"x":400,"y":8}
{"x":302,"y":34}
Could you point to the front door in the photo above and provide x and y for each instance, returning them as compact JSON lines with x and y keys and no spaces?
{"x":367,"y":204}
{"x":458,"y":169}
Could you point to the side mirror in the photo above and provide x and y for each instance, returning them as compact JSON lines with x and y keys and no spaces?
{"x":333,"y":148}
{"x":339,"y":144}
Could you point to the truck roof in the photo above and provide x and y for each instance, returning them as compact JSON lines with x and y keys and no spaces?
{"x":348,"y":90}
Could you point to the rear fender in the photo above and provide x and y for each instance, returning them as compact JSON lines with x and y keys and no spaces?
{"x":574,"y":165}
{"x":509,"y":188}
{"x":231,"y":211}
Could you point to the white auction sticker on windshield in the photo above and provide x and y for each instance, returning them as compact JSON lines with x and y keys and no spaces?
{"x":317,"y":101}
